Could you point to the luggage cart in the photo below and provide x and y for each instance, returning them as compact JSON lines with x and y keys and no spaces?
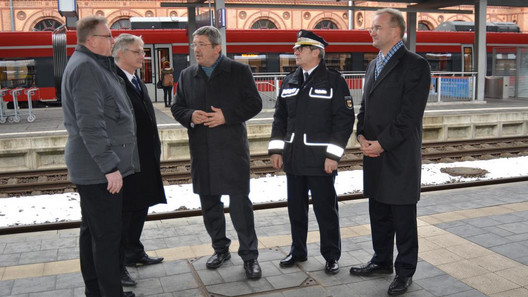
{"x":30,"y":92}
{"x":14,"y":117}
{"x":3,"y":106}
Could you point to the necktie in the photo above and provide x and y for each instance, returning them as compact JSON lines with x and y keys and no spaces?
{"x":306,"y":76}
{"x":136,"y":83}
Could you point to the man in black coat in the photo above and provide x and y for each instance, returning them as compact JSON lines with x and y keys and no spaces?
{"x":390,"y":135}
{"x":214,"y":99}
{"x":145,"y":188}
{"x":313,"y":120}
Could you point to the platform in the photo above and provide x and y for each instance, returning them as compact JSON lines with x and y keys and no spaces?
{"x":473,"y":242}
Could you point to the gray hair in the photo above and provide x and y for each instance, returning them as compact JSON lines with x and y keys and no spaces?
{"x":123,"y":41}
{"x":212,"y":34}
{"x":396,"y":19}
{"x":86,"y":27}
{"x":321,"y":51}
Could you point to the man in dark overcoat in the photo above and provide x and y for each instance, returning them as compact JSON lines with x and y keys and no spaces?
{"x":390,"y":135}
{"x":214,"y":99}
{"x":145,"y":188}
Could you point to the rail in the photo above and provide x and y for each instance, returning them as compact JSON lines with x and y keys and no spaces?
{"x":445,"y":86}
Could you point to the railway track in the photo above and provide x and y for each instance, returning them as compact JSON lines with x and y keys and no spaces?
{"x":177,"y":172}
{"x":268,"y":205}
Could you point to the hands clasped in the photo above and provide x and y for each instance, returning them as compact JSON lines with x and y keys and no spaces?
{"x":210,"y":119}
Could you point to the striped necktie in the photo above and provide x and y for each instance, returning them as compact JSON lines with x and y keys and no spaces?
{"x":136,"y":83}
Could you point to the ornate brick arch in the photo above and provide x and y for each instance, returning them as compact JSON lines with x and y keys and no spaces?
{"x":429,"y":21}
{"x":272,"y":16}
{"x":459,"y":17}
{"x":121,"y":14}
{"x":327,"y":16}
{"x":41,"y":15}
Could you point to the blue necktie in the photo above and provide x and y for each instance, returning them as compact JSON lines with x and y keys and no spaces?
{"x":136,"y":83}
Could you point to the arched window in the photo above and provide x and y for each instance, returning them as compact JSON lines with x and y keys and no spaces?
{"x":47,"y":25}
{"x":326,"y":24}
{"x":264,"y":24}
{"x":123,"y":24}
{"x":423,"y":26}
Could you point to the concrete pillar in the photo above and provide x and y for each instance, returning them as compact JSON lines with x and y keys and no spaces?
{"x":480,"y":46}
{"x":191,"y":27}
{"x":411,"y":31}
{"x":220,"y":6}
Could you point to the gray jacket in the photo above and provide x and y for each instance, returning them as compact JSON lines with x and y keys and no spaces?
{"x":99,"y":119}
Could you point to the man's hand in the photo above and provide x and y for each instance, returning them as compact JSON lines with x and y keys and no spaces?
{"x":215,"y":118}
{"x":370,"y":148}
{"x":276,"y":161}
{"x":199,"y":117}
{"x":330,"y":165}
{"x":115,"y":182}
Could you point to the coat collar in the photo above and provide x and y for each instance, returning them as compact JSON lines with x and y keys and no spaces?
{"x":298,"y":73}
{"x":393,"y":61}
{"x":223,"y":65}
{"x":106,"y":62}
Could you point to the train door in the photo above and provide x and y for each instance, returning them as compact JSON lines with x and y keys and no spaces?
{"x":155,"y":56}
{"x":467,"y":58}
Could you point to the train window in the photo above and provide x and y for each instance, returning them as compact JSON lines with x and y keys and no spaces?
{"x":47,"y":25}
{"x":440,"y":61}
{"x":505,"y":62}
{"x":326,"y":24}
{"x":264,"y":24}
{"x":146,"y":70}
{"x":17,"y":73}
{"x":122,"y":24}
{"x":258,"y":63}
{"x":468,"y":58}
{"x":339,"y":61}
{"x":367,"y":57}
{"x":287,"y":63}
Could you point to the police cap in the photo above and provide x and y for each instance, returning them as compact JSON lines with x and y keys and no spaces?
{"x":308,"y":38}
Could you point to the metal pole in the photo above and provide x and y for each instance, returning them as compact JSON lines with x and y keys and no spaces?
{"x":220,"y":4}
{"x":350,"y":16}
{"x":12,"y":12}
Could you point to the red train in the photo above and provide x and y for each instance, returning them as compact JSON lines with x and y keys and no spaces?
{"x":26,"y":58}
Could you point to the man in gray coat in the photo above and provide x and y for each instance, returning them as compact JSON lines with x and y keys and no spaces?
{"x":213,"y":101}
{"x":101,"y":150}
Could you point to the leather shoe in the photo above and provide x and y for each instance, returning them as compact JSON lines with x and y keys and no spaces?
{"x":126,"y":279}
{"x":369,"y":269}
{"x":252,"y":269}
{"x":145,"y":260}
{"x":290,"y":260}
{"x":332,"y":267}
{"x":217,"y":259}
{"x":399,"y":285}
{"x":129,"y":294}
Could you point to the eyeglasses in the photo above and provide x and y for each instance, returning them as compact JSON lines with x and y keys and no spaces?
{"x":199,"y":45}
{"x":376,"y":29}
{"x":109,"y":36}
{"x":140,"y":52}
{"x":300,"y":48}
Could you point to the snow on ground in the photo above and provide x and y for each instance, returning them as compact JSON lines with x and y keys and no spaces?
{"x":65,"y":207}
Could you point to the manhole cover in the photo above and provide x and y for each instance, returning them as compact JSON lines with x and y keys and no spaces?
{"x":464,"y":171}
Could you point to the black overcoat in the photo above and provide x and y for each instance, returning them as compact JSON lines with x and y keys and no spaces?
{"x":391,"y":112}
{"x":145,"y":188}
{"x":220,"y":155}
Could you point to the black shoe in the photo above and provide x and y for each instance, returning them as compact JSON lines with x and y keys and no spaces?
{"x":252,"y":269}
{"x":290,"y":260}
{"x":145,"y":260}
{"x":217,"y":259}
{"x":126,"y":279}
{"x":369,"y":269}
{"x":129,"y":294}
{"x":332,"y":267}
{"x":399,"y":285}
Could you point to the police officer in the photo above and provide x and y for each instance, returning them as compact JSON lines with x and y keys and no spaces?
{"x":313,"y":120}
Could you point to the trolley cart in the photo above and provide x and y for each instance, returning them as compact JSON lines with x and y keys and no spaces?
{"x":15,"y":117}
{"x":30,"y":92}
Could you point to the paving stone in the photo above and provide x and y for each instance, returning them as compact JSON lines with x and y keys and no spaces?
{"x":178,"y":282}
{"x":312,"y":291}
{"x":232,"y":273}
{"x":69,"y":280}
{"x":498,"y":231}
{"x":442,"y":285}
{"x":32,"y":285}
{"x":288,"y":280}
{"x":38,"y":257}
{"x":5,"y":287}
{"x":511,"y":250}
{"x":15,"y":248}
{"x":68,"y":253}
{"x":9,"y":260}
{"x":150,"y":271}
{"x":270,"y":269}
{"x":517,"y":228}
{"x":210,"y":277}
{"x":370,"y":287}
{"x":426,"y":270}
{"x":230,"y":289}
{"x":260,"y":285}
{"x":274,"y":294}
{"x":488,"y":240}
{"x":470,"y":293}
{"x":176,"y":267}
{"x":148,"y":286}
{"x":56,"y":293}
{"x":59,"y":243}
{"x":466,"y":230}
